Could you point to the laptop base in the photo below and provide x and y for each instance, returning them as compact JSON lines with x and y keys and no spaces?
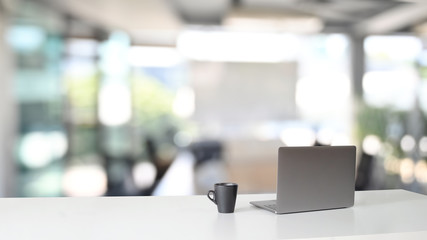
{"x":269,"y":205}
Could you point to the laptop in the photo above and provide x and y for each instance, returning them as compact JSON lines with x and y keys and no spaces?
{"x":313,"y":178}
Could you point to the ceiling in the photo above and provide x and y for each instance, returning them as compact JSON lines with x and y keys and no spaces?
{"x":158,"y":21}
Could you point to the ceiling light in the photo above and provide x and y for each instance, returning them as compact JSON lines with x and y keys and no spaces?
{"x":140,"y":56}
{"x":292,"y":23}
{"x":227,"y":46}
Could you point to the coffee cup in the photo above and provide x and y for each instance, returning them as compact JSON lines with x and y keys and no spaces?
{"x":224,"y":196}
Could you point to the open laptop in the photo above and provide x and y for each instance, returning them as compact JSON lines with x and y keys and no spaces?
{"x":313,"y":178}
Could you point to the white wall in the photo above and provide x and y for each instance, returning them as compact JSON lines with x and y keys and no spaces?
{"x":233,"y":97}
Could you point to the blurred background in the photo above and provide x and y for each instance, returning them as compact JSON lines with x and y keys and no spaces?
{"x":167,"y":97}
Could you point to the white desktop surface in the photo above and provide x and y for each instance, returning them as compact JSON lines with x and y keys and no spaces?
{"x":386,"y":214}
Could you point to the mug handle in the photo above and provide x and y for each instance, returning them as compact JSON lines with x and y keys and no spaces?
{"x":213,"y":194}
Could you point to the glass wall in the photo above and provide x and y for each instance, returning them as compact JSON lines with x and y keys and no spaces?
{"x":34,"y":34}
{"x":391,"y":121}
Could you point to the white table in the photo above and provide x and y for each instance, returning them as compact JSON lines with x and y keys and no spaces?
{"x":387,"y":214}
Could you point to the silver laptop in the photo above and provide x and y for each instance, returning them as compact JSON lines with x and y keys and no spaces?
{"x":313,"y":178}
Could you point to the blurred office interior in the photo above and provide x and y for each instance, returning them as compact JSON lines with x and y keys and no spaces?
{"x":167,"y":97}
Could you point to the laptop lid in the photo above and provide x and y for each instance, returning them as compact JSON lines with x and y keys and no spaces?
{"x":315,"y":178}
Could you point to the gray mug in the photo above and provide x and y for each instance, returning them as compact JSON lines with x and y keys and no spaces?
{"x":224,"y":196}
